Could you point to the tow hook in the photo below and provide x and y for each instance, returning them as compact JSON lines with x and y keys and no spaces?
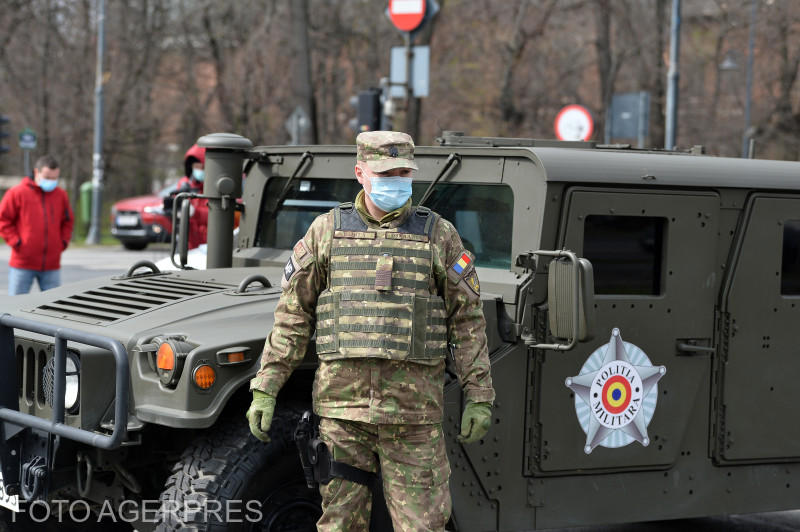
{"x":33,"y":476}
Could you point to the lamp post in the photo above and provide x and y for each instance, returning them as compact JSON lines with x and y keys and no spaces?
{"x":673,"y":76}
{"x":93,"y":237}
{"x":749,"y":83}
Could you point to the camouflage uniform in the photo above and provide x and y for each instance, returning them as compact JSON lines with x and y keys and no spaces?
{"x":379,"y":385}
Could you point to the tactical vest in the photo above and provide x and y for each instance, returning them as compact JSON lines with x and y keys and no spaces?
{"x":381,"y":299}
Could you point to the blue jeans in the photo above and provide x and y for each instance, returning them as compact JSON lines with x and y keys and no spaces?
{"x":20,"y":280}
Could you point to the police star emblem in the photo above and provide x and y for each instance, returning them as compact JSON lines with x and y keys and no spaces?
{"x":616,"y":394}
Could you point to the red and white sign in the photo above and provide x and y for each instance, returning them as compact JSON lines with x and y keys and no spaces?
{"x":574,"y":122}
{"x":406,"y":15}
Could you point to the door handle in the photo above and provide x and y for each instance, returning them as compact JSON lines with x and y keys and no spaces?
{"x":690,"y":347}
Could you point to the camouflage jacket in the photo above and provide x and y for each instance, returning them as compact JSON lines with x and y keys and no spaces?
{"x":369,"y":389}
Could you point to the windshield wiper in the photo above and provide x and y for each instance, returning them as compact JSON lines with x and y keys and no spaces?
{"x":452,"y":160}
{"x":307,"y":155}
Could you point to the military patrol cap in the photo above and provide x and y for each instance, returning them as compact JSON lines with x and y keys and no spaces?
{"x":386,"y":150}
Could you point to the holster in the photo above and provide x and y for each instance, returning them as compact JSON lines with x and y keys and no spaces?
{"x":318,"y":465}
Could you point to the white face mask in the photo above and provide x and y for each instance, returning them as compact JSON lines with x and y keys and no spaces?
{"x":198,"y":174}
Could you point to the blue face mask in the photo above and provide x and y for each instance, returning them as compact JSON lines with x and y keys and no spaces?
{"x":198,"y":174}
{"x":390,"y":193}
{"x":48,"y":185}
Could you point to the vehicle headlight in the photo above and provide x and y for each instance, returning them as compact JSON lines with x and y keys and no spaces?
{"x":170,"y":356}
{"x":73,"y":383}
{"x":154,"y":209}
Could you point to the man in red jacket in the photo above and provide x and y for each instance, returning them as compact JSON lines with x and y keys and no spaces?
{"x":36,"y":221}
{"x":192,"y":181}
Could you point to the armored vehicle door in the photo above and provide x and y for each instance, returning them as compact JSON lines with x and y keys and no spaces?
{"x":758,"y":393}
{"x":655,"y":274}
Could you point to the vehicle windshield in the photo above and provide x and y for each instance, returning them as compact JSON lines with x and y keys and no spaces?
{"x":482,"y":214}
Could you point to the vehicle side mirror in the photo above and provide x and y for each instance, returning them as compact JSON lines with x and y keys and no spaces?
{"x":570,"y":300}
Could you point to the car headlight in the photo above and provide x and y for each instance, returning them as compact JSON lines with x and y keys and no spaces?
{"x":170,"y":356}
{"x":73,"y":382}
{"x":154,"y":209}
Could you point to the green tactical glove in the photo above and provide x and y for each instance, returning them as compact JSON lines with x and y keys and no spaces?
{"x":259,"y":415}
{"x":475,"y":422}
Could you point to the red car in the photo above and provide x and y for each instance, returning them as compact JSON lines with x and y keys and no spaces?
{"x":140,"y":220}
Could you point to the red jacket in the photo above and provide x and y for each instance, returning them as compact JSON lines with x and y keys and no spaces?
{"x":36,"y":224}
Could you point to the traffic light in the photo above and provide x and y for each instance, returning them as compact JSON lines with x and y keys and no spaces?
{"x":368,"y":110}
{"x":3,"y":133}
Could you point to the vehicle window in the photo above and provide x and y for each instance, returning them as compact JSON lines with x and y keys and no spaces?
{"x":479,"y":212}
{"x":307,"y":199}
{"x":790,"y":259}
{"x":626,"y":253}
{"x":482,"y":214}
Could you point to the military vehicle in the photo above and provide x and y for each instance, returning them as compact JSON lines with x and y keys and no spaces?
{"x":639,"y":304}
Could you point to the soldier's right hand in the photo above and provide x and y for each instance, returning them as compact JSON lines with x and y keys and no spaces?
{"x":259,"y":415}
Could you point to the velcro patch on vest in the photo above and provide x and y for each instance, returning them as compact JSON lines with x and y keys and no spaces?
{"x":383,"y":272}
{"x":407,"y":236}
{"x":461,"y":266}
{"x":354,"y":234}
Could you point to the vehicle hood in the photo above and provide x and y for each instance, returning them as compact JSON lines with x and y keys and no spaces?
{"x":137,"y":203}
{"x":204,"y":306}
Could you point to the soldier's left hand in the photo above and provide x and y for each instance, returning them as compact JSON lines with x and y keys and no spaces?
{"x":475,"y":422}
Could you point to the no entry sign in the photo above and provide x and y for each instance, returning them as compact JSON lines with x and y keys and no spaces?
{"x":574,"y":122}
{"x":406,"y":15}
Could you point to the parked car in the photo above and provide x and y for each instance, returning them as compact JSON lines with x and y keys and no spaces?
{"x":141,"y":220}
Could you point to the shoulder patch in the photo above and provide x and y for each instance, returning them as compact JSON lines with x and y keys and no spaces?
{"x":289,"y":269}
{"x":301,"y":257}
{"x":473,"y":283}
{"x":302,"y":254}
{"x":461,"y":266}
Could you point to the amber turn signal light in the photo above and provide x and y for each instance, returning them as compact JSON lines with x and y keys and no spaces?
{"x":165,"y":358}
{"x":235,"y":357}
{"x":204,"y":377}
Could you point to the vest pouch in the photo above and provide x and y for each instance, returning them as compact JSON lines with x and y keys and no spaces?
{"x":372,"y":324}
{"x":430,"y":330}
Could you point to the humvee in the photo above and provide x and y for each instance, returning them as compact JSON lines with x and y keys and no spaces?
{"x":638,"y":304}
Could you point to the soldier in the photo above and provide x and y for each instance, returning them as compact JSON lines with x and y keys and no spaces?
{"x":392,"y":292}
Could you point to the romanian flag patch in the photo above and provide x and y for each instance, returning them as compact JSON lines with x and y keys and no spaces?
{"x":461,"y":264}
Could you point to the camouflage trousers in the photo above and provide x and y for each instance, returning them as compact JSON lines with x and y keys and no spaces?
{"x":415,"y":472}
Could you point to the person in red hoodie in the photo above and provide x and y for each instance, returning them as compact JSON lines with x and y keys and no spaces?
{"x":36,"y":221}
{"x":192,"y":181}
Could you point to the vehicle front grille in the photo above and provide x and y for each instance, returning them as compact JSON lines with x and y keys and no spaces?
{"x":118,"y":301}
{"x":35,"y":368}
{"x":31,"y":360}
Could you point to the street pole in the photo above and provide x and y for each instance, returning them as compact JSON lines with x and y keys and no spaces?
{"x":93,"y":237}
{"x":673,"y":76}
{"x":749,"y":89}
{"x":409,"y":59}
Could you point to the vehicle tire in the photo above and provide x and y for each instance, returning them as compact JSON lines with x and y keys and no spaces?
{"x":227,"y":465}
{"x":134,"y":245}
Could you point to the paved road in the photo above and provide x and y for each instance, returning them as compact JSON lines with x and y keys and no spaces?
{"x":85,"y":262}
{"x":94,"y":261}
